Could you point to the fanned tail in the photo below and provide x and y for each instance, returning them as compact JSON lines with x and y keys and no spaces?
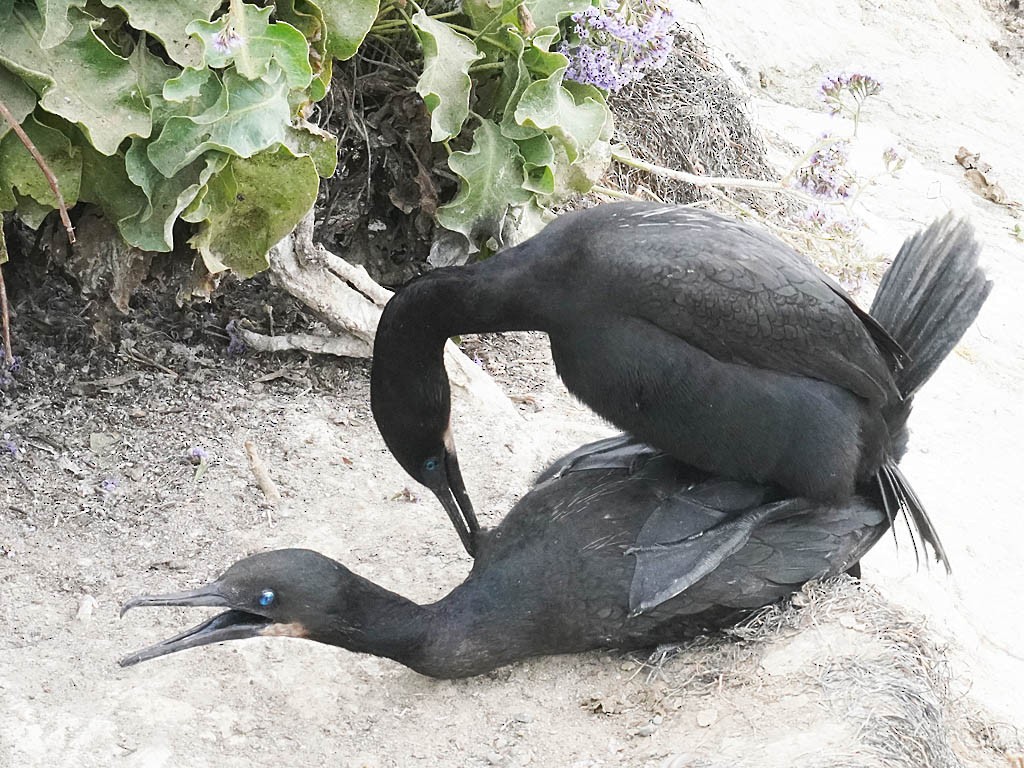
{"x":927,"y":300}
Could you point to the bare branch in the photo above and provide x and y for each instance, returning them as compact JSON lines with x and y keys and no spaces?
{"x":302,"y":342}
{"x":6,"y":114}
{"x":5,"y":318}
{"x":259,"y":471}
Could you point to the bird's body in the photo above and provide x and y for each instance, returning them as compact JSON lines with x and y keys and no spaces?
{"x":620,"y":545}
{"x":560,"y":574}
{"x":696,"y":333}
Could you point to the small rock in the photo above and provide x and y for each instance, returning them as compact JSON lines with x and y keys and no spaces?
{"x":523,"y":717}
{"x":676,"y":761}
{"x":86,"y":605}
{"x":495,"y":759}
{"x":707,"y":717}
{"x":647,"y":729}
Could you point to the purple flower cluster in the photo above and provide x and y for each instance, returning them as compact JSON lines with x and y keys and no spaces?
{"x":197,"y":454}
{"x":836,"y":89}
{"x":894,"y":159}
{"x":226,"y":41}
{"x":613,"y":44}
{"x":829,"y":222}
{"x":825,"y":174}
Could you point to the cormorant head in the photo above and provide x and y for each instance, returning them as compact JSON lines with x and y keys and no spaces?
{"x":411,"y":402}
{"x":283,"y":593}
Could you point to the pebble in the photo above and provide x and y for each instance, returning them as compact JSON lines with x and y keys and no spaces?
{"x":495,"y":759}
{"x":646,"y":730}
{"x":523,"y":717}
{"x":707,"y":717}
{"x":86,"y":605}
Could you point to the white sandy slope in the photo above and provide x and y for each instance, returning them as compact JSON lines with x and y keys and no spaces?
{"x":944,"y":87}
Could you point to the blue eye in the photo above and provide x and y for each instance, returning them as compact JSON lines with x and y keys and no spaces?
{"x":266,"y":597}
{"x":431,"y":464}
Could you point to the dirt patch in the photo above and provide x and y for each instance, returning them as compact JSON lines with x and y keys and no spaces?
{"x":104,"y":497}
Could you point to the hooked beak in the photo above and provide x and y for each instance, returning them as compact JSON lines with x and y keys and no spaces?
{"x":230,"y":625}
{"x":453,"y":497}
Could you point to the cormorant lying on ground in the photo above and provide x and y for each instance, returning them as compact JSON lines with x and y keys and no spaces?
{"x":605,"y":529}
{"x":700,"y":335}
{"x":618,"y":544}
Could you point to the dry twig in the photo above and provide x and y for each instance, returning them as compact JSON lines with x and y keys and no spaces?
{"x":5,"y":320}
{"x":20,"y":132}
{"x":259,"y":471}
{"x":302,"y":342}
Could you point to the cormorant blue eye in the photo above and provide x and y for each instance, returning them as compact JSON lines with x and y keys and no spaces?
{"x":431,"y":464}
{"x":266,"y":597}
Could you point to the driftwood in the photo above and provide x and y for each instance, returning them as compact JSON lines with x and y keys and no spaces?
{"x":350,"y":302}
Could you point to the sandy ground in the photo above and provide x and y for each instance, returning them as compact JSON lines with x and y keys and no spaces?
{"x":75,"y":544}
{"x":946,"y":86}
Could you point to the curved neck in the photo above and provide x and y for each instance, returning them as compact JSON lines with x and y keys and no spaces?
{"x":499,"y":294}
{"x":464,"y":633}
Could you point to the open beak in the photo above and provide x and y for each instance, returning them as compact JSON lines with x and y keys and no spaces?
{"x":453,"y":497}
{"x":230,"y":625}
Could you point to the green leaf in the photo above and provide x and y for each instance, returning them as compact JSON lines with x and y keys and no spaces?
{"x":166,"y":21}
{"x":250,"y":42}
{"x":151,"y":71}
{"x":445,"y":83}
{"x":81,"y":79}
{"x":308,"y":18}
{"x":492,"y":180}
{"x":547,"y":13}
{"x":526,"y":221}
{"x":199,"y":87}
{"x":513,"y":83}
{"x":538,"y":164}
{"x":56,"y":26}
{"x":151,"y":227}
{"x":547,"y":105}
{"x":249,"y":116}
{"x":539,"y":57}
{"x":22,"y":179}
{"x":250,"y":206}
{"x":105,"y":183}
{"x":19,"y":98}
{"x":483,"y":12}
{"x":309,"y":140}
{"x":348,"y":22}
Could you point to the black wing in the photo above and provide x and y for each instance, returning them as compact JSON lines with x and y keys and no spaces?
{"x":734,"y":291}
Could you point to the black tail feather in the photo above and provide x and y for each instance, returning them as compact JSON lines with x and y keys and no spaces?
{"x":927,"y":300}
{"x":930,"y":296}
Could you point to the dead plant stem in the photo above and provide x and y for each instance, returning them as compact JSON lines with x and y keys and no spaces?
{"x":20,"y":132}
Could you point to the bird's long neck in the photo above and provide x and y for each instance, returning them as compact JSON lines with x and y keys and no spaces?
{"x":367,"y":618}
{"x":454,"y":637}
{"x":493,"y":295}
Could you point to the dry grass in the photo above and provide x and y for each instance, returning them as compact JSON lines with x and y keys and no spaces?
{"x":882,"y":669}
{"x":690,"y":115}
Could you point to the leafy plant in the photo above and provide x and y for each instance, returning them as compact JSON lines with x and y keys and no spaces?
{"x":193,"y":111}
